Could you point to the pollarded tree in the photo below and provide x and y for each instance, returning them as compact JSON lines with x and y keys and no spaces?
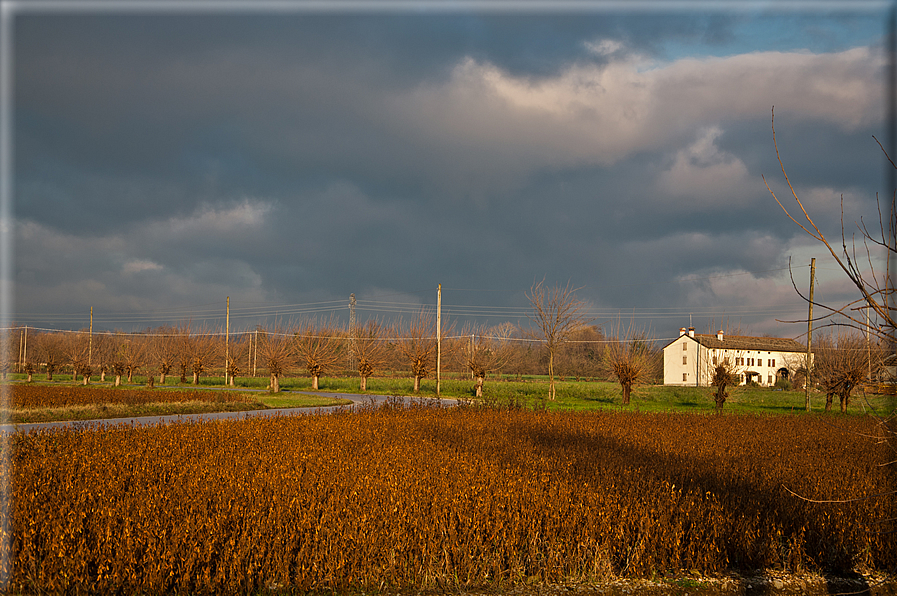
{"x":237,"y":352}
{"x":197,"y":349}
{"x":49,"y":350}
{"x":488,"y":350}
{"x":76,"y":346}
{"x":557,"y":313}
{"x":318,"y":347}
{"x":100,"y":353}
{"x":416,"y":341}
{"x":368,"y":342}
{"x":132,"y":351}
{"x":840,"y":364}
{"x":163,"y":350}
{"x":724,"y":376}
{"x":276,"y":351}
{"x":630,"y":356}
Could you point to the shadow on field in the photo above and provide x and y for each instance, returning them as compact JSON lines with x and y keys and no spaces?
{"x":804,"y":536}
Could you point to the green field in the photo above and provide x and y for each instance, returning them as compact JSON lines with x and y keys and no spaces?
{"x":527,"y":392}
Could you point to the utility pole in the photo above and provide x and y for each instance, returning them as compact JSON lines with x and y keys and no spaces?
{"x":227,"y":344}
{"x":809,"y":363}
{"x":352,"y":364}
{"x":438,"y":336}
{"x":90,"y":339}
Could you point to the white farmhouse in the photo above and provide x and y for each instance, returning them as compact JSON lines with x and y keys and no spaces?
{"x":691,"y":357}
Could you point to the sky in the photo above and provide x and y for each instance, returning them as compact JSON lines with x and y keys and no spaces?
{"x":289,"y":155}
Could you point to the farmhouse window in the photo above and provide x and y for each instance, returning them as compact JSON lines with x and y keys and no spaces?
{"x":685,"y":360}
{"x":770,"y":380}
{"x":684,"y":376}
{"x":684,"y":347}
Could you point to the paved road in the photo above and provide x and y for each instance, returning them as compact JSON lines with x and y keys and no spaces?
{"x":357,"y":399}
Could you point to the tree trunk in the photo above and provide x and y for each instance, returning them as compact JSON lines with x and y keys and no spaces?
{"x":845,"y":401}
{"x":74,"y":374}
{"x":627,"y":389}
{"x":86,"y":378}
{"x":102,"y":376}
{"x":314,"y":382}
{"x":416,"y":383}
{"x":130,"y":375}
{"x":828,"y":402}
{"x":275,"y":384}
{"x":480,"y":381}
{"x":196,"y":378}
{"x":551,"y":393}
{"x":117,"y":380}
{"x":29,"y":377}
{"x":232,"y":381}
{"x":720,"y":398}
{"x":364,"y":383}
{"x":161,"y":378}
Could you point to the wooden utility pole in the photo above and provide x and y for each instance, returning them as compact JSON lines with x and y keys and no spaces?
{"x":438,"y":336}
{"x":809,"y":363}
{"x":227,"y":344}
{"x":353,"y":366}
{"x":90,"y":338}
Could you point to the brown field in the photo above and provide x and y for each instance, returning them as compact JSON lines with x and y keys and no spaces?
{"x":434,"y":498}
{"x":61,"y":396}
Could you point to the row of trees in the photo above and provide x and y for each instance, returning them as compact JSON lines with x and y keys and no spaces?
{"x":318,"y":348}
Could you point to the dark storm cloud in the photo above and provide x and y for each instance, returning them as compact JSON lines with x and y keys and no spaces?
{"x":297,"y":157}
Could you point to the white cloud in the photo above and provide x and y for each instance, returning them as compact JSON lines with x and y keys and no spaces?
{"x":603,"y":113}
{"x":604,"y":47}
{"x":248,"y":215}
{"x":703,"y":172}
{"x":138,"y":265}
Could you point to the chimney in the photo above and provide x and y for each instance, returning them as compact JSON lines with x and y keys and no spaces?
{"x":691,"y":331}
{"x":719,"y":335}
{"x":681,"y":331}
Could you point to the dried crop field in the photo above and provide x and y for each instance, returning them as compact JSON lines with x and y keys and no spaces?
{"x":429,"y":497}
{"x":61,"y":396}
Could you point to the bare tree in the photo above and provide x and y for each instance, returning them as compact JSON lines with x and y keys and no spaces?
{"x":370,"y":349}
{"x":417,"y":343}
{"x":9,"y":346}
{"x":74,"y":347}
{"x":49,"y":350}
{"x":163,"y":349}
{"x":276,"y":350}
{"x":630,"y":356}
{"x":100,"y":353}
{"x":582,"y":354}
{"x":724,"y":376}
{"x":557,"y":313}
{"x":132,"y":352}
{"x":488,"y":350}
{"x":204,"y":348}
{"x":319,"y":347}
{"x":875,"y":286}
{"x":238,"y":350}
{"x":841,"y":363}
